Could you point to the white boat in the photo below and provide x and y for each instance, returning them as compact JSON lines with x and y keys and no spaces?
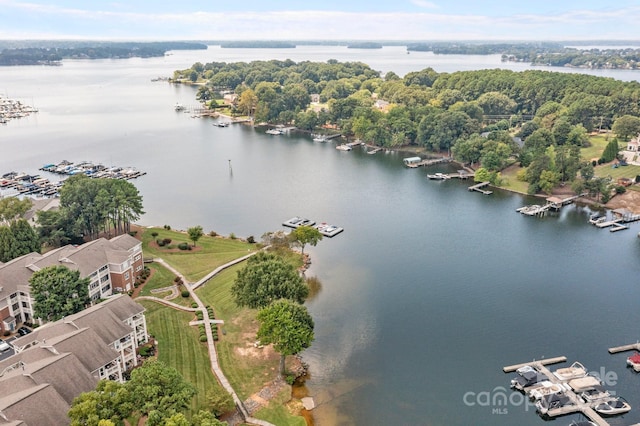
{"x":552,"y":402}
{"x":612,"y":407}
{"x":343,"y":147}
{"x":438,"y":176}
{"x":574,"y":371}
{"x":179,"y":106}
{"x":595,"y":394}
{"x":526,"y":377}
{"x":584,"y":383}
{"x":296,"y":221}
{"x":274,"y":132}
{"x":319,"y":138}
{"x":545,"y":388}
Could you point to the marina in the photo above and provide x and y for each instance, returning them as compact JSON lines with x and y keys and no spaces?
{"x":566,"y":390}
{"x":14,"y":183}
{"x":415,"y":162}
{"x":11,"y":109}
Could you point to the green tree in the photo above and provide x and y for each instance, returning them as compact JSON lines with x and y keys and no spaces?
{"x":288,"y":326}
{"x":610,"y":151}
{"x":109,"y":401}
{"x":268,"y":277}
{"x":626,"y":126}
{"x":195,"y":233}
{"x":496,"y":103}
{"x":13,"y":208}
{"x":17,"y":239}
{"x":159,"y":390}
{"x":58,"y":291}
{"x":304,"y":235}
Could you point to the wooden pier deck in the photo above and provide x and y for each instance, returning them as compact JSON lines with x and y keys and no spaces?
{"x":577,"y":404}
{"x":631,"y":347}
{"x":429,"y":162}
{"x":478,"y":187}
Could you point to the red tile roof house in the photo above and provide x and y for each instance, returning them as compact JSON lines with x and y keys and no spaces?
{"x":112,"y":266}
{"x":58,"y":361}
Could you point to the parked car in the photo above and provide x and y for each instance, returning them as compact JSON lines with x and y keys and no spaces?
{"x":23,"y":331}
{"x":4,"y":346}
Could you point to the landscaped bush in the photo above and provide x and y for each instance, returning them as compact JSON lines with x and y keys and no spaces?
{"x":194,"y":305}
{"x":232,"y":236}
{"x":160,"y":242}
{"x":251,"y":239}
{"x":184,"y":246}
{"x":203,"y":338}
{"x":199,"y":315}
{"x":185,"y":293}
{"x":154,"y":234}
{"x":167,"y":227}
{"x":167,"y":241}
{"x":213,"y":234}
{"x":145,"y":351}
{"x":6,"y":333}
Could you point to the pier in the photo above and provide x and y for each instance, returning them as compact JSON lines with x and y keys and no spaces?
{"x":576,"y":403}
{"x":478,"y":187}
{"x":415,"y":162}
{"x":631,"y":347}
{"x":554,"y":203}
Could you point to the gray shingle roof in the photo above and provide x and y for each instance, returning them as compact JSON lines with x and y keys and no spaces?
{"x":40,"y":405}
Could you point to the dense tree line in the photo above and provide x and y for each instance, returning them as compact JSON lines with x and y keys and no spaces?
{"x":90,"y":207}
{"x":52,"y":55}
{"x":473,"y":115}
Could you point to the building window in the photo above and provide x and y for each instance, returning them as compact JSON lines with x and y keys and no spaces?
{"x":104,"y":278}
{"x":15,"y":307}
{"x":25,"y":305}
{"x":94,"y":285}
{"x":106,"y":288}
{"x":139,"y":268}
{"x":126,"y":275}
{"x":104,"y":268}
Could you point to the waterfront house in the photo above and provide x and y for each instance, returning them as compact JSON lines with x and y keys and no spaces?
{"x":111,"y":265}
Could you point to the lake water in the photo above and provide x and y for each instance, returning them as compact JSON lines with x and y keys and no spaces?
{"x":430,"y":290}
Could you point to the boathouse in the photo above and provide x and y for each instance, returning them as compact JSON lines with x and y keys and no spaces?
{"x":411,"y":160}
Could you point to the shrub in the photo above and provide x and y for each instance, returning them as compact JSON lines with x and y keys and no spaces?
{"x":185,"y":293}
{"x":213,"y":234}
{"x":167,"y":241}
{"x":184,"y":246}
{"x":199,"y":315}
{"x":145,"y":351}
{"x":203,"y":338}
{"x":6,"y":333}
{"x":167,"y":227}
{"x":133,"y":233}
{"x":232,"y":236}
{"x":154,"y":234}
{"x":251,"y":239}
{"x":194,"y":305}
{"x":160,"y":242}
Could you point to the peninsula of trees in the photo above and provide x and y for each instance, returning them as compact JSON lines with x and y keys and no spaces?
{"x":54,"y":54}
{"x":489,"y":118}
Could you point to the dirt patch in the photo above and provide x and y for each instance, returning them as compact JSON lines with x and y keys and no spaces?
{"x":630,"y":200}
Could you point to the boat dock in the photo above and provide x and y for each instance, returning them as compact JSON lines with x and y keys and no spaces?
{"x":478,"y":187}
{"x":325,"y":229}
{"x":554,"y":203}
{"x":415,"y":162}
{"x":576,"y":403}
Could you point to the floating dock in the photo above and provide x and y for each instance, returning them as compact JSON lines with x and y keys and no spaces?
{"x":576,"y":403}
{"x":478,"y":187}
{"x":325,"y":229}
{"x":631,"y":347}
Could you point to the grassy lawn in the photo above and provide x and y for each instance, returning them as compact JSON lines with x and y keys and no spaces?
{"x":178,"y":347}
{"x":211,"y":252}
{"x":598,"y":144}
{"x":511,"y":182}
{"x":247,"y":374}
{"x":160,"y":277}
{"x":606,"y":170}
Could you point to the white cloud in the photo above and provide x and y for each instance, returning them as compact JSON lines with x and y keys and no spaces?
{"x":425,"y":4}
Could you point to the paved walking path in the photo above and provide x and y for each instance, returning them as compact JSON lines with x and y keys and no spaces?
{"x":213,"y":354}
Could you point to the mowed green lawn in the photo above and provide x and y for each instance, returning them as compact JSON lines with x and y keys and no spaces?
{"x":179,"y":347}
{"x":247,"y":374}
{"x":210,"y":253}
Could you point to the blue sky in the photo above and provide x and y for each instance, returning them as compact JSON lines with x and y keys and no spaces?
{"x":327,"y":19}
